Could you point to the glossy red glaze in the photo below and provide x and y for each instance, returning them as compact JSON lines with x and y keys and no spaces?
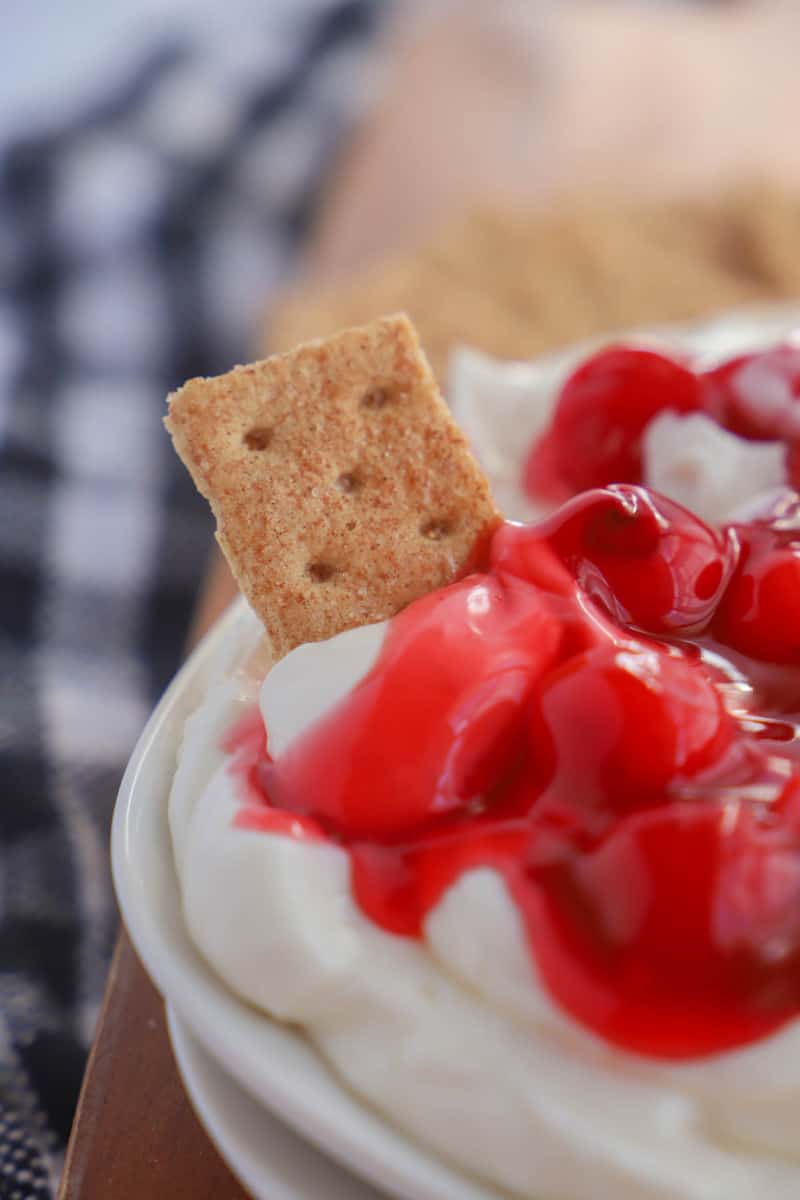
{"x":647,"y":560}
{"x":436,"y":722}
{"x":640,"y":802}
{"x":614,"y":729}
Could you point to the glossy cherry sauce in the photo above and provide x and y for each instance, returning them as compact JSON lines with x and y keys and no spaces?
{"x":587,"y":717}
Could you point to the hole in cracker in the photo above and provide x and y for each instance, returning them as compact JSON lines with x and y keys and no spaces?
{"x":321,"y":572}
{"x":436,"y":530}
{"x":258,"y":438}
{"x":349,"y":482}
{"x":376,"y":397}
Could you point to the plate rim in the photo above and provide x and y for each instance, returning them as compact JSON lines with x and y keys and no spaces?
{"x":193,"y":1060}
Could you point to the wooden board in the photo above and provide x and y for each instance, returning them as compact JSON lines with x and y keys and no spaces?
{"x":135,"y":1135}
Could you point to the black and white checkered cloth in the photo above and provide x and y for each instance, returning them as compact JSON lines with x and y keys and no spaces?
{"x":138,"y":243}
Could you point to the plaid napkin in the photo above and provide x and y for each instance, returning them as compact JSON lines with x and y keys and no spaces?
{"x":138,"y":241}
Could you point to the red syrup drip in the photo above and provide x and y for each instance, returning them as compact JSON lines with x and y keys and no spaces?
{"x":631,"y":777}
{"x":246,"y":744}
{"x":250,"y":764}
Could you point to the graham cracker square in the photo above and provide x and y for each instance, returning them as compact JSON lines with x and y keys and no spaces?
{"x":342,"y":488}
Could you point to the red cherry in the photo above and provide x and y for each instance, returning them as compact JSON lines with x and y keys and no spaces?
{"x":438,"y":721}
{"x":681,"y":913}
{"x":756,"y":395}
{"x":603,"y":409}
{"x":647,"y":560}
{"x":759,"y":614}
{"x":618,"y":729}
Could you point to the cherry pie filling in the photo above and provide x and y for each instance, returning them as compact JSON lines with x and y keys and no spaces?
{"x":603,"y":409}
{"x":606,"y":715}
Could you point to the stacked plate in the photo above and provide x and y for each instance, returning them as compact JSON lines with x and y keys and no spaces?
{"x":285,"y":1124}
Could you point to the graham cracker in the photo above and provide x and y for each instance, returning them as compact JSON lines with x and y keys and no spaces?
{"x":517,"y":283}
{"x":341,"y":486}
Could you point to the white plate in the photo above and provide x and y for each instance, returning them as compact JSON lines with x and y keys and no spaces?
{"x":270,"y":1161}
{"x":274,"y":1063}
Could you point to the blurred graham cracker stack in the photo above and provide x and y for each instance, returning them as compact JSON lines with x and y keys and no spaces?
{"x":516,"y":284}
{"x":341,"y":486}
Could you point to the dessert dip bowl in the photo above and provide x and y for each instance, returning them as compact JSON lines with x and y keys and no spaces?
{"x":501,"y":896}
